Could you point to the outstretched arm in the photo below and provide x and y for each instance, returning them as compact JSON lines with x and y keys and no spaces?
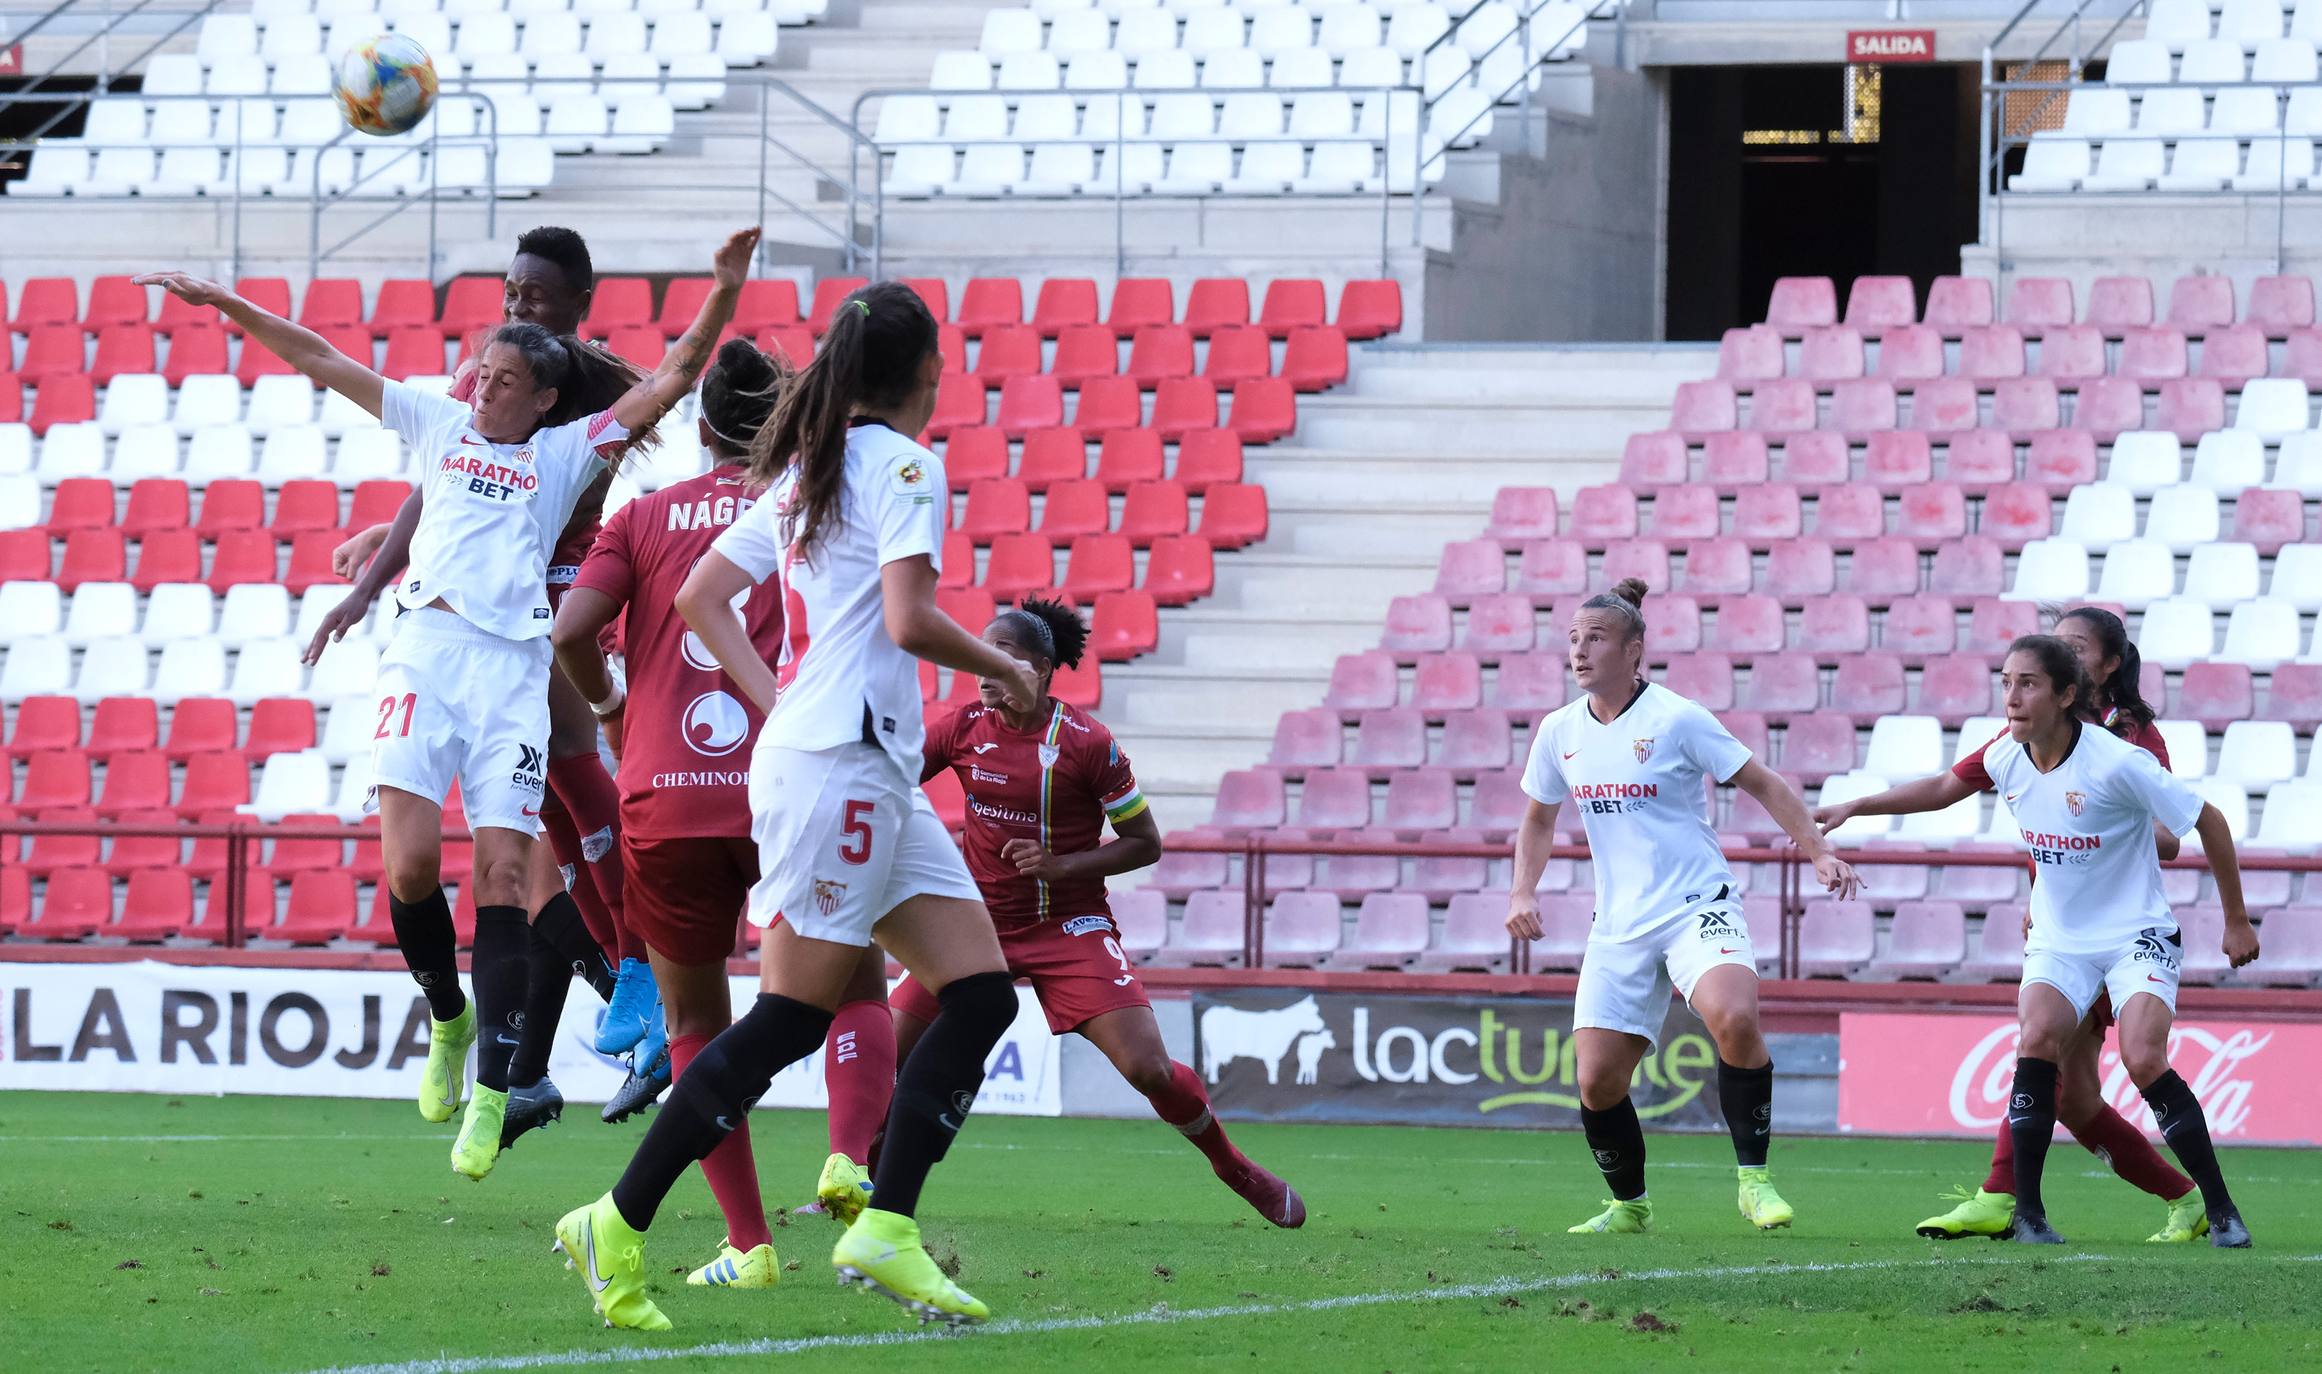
{"x":1931,"y":793}
{"x":1788,"y":810}
{"x":296,"y":345}
{"x":645,"y":403}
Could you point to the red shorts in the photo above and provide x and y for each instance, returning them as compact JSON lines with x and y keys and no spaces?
{"x":1075,"y":966}
{"x":685,"y":896}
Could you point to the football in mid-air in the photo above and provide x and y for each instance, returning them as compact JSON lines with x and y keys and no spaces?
{"x":385,"y":84}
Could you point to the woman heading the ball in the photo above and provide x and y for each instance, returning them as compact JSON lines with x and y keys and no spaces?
{"x":463,"y":687}
{"x":1631,"y":755}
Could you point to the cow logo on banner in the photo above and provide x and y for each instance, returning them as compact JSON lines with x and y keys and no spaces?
{"x":1269,"y":1055}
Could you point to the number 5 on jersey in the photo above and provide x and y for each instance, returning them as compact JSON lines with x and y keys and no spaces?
{"x":387,"y":709}
{"x":856,"y":826}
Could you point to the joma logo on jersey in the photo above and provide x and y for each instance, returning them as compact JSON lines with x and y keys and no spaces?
{"x":1643,"y":748}
{"x":2074,"y":802}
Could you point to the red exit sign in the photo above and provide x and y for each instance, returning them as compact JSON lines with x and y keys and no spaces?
{"x":1890,"y":45}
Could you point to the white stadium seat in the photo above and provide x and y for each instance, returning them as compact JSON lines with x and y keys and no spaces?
{"x":920,"y":170}
{"x":1006,"y":31}
{"x":2099,"y":514}
{"x":1216,"y":30}
{"x":2177,"y":22}
{"x":988,"y":169}
{"x":2177,"y":631}
{"x":110,"y":668}
{"x":2273,"y":408}
{"x":1165,"y":71}
{"x":1268,"y":169}
{"x":2051,"y":570}
{"x":207,"y":399}
{"x":642,"y":123}
{"x":291,"y":784}
{"x":134,"y":399}
{"x":2182,"y":517}
{"x":178,"y":610}
{"x":1282,"y":29}
{"x":148,"y":450}
{"x":961,"y":71}
{"x":73,"y":450}
{"x":347,"y":668}
{"x":31,"y":609}
{"x":2261,"y":634}
{"x":38,"y":665}
{"x":2228,"y":461}
{"x":2256,"y":754}
{"x":2223,"y":575}
{"x":1237,"y":69}
{"x":1059,"y":169}
{"x":1195,"y":169}
{"x":216,"y":451}
{"x":576,"y":123}
{"x":2127,"y":164}
{"x":2137,"y":572}
{"x":2145,"y":460}
{"x":2052,"y":164}
{"x":252,"y":611}
{"x":279,"y":399}
{"x":1079,"y":31}
{"x":1905,"y":747}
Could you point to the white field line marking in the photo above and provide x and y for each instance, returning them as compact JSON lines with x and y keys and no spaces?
{"x":1166,"y":1316}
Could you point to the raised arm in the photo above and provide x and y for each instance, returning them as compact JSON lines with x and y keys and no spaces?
{"x":1788,"y":810}
{"x":296,"y":345}
{"x":921,"y":629}
{"x":649,"y":400}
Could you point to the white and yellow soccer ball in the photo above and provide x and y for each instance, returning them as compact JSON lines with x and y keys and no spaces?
{"x":385,"y":85}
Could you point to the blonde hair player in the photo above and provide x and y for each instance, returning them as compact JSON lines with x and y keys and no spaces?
{"x":463,"y":688}
{"x":1631,"y":756}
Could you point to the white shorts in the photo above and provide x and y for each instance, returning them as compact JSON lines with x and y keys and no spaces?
{"x":1625,"y":984}
{"x":459,"y":703}
{"x":843,"y":839}
{"x":2148,"y":963}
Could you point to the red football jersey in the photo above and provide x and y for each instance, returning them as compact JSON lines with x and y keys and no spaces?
{"x":685,"y":762}
{"x":1058,"y":784}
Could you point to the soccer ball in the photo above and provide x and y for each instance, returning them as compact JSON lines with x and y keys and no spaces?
{"x":385,"y":85}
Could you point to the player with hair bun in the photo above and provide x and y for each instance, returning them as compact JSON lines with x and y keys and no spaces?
{"x":1632,"y":755}
{"x":1042,"y":782}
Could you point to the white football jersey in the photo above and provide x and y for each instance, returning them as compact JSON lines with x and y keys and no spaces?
{"x":842,"y":678}
{"x":2088,"y":823}
{"x":1637,"y":782}
{"x":491,"y":513}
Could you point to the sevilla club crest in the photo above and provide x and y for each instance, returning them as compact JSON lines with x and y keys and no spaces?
{"x":828,"y":895}
{"x":1644,"y":748}
{"x":2074,"y":801}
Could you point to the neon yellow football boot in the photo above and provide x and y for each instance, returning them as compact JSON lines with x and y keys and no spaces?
{"x":757,"y":1268}
{"x":1631,"y":1218}
{"x":611,"y":1259}
{"x":845,"y":1189}
{"x":1978,"y":1214}
{"x":445,"y":1078}
{"x":1761,"y":1206}
{"x":881,"y":1252}
{"x":479,"y":1143}
{"x":2187,"y":1222}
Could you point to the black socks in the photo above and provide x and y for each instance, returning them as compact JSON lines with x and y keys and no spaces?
{"x":2186,"y":1127}
{"x":937,"y":1085}
{"x":1747,"y":1095}
{"x":560,"y":949}
{"x":423,"y":931}
{"x":1618,"y":1140}
{"x":2031,"y":1125}
{"x":499,"y":969}
{"x":715,"y":1093}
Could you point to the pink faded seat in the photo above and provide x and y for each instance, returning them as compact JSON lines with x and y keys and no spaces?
{"x":1868,"y":686}
{"x":1816,"y":459}
{"x":2038,"y":304}
{"x":1713,"y":568}
{"x":1846,"y":515}
{"x":2202,"y":303}
{"x":2203,"y":930}
{"x":1747,"y":625}
{"x":2233,"y":354}
{"x":1417,"y":625}
{"x":1732,"y":459}
{"x":1978,"y":459}
{"x":1708,"y":679}
{"x":1141,"y":915}
{"x":1968,"y":567}
{"x":1993,"y":624}
{"x":1674,"y":627}
{"x":1882,"y":570}
{"x":1447,"y":682}
{"x":1863,"y":407}
{"x":1180,"y":872}
{"x":1552,"y":567}
{"x":1945,"y":406}
{"x":2061,"y":459}
{"x":1703,"y":408}
{"x":1874,"y":304}
{"x":1565,"y":920}
{"x":1781,"y":685}
{"x":1956,"y":304}
{"x":1749,"y":820}
{"x":1529,"y":683}
{"x":2279,"y":305}
{"x":1990,"y":353}
{"x":1311,"y":738}
{"x":1421,"y":801}
{"x":1471,"y":568}
{"x":2025,"y":405}
{"x":1210,"y":932}
{"x":1474,"y":742}
{"x":1999,"y":946}
{"x":1786,"y":406}
{"x":2016,"y":514}
{"x":1766,"y":513}
{"x":1919,"y":626}
{"x":1646,"y":559}
{"x":1955,"y":687}
{"x":1687,"y":512}
{"x":1655,"y":458}
{"x":2217,"y":694}
{"x":1605,"y":513}
{"x":1925,"y":940}
{"x":1834,"y":626}
{"x":2269,"y":518}
{"x":1835,"y":938}
{"x":2295,"y":695}
{"x":1497,"y":625}
{"x":2292,"y":939}
{"x":1497,"y":803}
{"x":1800,"y":568}
{"x":1523,"y":513}
{"x":1390,"y":931}
{"x":1361,"y":681}
{"x":1750,"y":355}
{"x":2119,"y":304}
{"x":1830,"y":353}
{"x":1800,"y":303}
{"x":1474,"y":935}
{"x":2108,"y":407}
{"x":1347,"y":877}
{"x":2072,"y":352}
{"x":1931,"y":514}
{"x":1250,"y":799}
{"x":1335,"y":799}
{"x":2302,"y":357}
{"x":2189,"y":408}
{"x":1391,"y":737}
{"x":2152,"y":353}
{"x":1302,"y":928}
{"x":1910,"y":354}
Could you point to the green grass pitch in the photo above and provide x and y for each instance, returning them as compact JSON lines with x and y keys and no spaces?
{"x":260,"y":1235}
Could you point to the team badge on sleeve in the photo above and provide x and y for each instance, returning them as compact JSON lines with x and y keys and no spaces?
{"x":1644,"y":748}
{"x":2075,"y":801}
{"x":910,"y":475}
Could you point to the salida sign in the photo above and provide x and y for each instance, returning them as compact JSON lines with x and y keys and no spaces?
{"x":1277,"y":1056}
{"x":1890,"y":45}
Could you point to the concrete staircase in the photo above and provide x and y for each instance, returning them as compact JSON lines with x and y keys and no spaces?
{"x":1379,"y":476}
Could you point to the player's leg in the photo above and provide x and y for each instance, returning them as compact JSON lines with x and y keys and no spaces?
{"x":2108,"y":1135}
{"x":1130,"y":1037}
{"x":1725,"y":997}
{"x":2055,"y":995}
{"x":2145,"y":1018}
{"x":411,"y":851}
{"x":499,"y":968}
{"x":558,"y":950}
{"x":859,"y":1061}
{"x":577,"y":775}
{"x":1605,"y":1061}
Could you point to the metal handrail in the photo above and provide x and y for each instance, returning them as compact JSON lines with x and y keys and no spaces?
{"x":489,"y":137}
{"x":1533,"y":61}
{"x":112,"y":22}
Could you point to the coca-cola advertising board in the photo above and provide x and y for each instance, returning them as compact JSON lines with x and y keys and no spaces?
{"x":1902,"y":1074}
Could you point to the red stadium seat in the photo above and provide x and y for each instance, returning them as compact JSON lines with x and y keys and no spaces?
{"x":2231,"y":353}
{"x":320,"y":908}
{"x":989,"y":302}
{"x":1237,"y":353}
{"x":48,"y":853}
{"x":1917,"y":626}
{"x":2268,"y":517}
{"x":25,"y":556}
{"x":1370,"y":309}
{"x":47,"y":300}
{"x":116,"y":300}
{"x":1786,"y":406}
{"x":1765,"y":514}
{"x":767,"y":303}
{"x":1817,"y":459}
{"x":622,"y":303}
{"x":77,"y":903}
{"x":828,"y":293}
{"x":1447,"y":682}
{"x":81,"y":503}
{"x":932,"y":292}
{"x":1955,"y":304}
{"x":231,"y":503}
{"x":1158,"y":352}
{"x":329,"y":303}
{"x":1051,"y":456}
{"x":1830,"y":353}
{"x":970,"y":606}
{"x":1818,"y":745}
{"x":1108,"y":404}
{"x":1180,"y":569}
{"x":996,"y":506}
{"x":1530,"y":513}
{"x":218,"y":781}
{"x":53,"y":350}
{"x":1834,"y":625}
{"x":1233,"y":515}
{"x":1186,"y":403}
{"x":122,"y":348}
{"x":1140,"y":301}
{"x":959,"y":564}
{"x":1074,"y":507}
{"x":1029,"y":403}
{"x":1291,"y":303}
{"x":1655,"y":458}
{"x":641,"y":344}
{"x":1688,"y":512}
{"x":281,"y":725}
{"x":1993,"y":624}
{"x":1083,"y":352}
{"x":1603,"y":514}
{"x":971,"y":453}
{"x":1781,"y":685}
{"x":2189,"y":408}
{"x":2037,"y":304}
{"x":1875,"y":304}
{"x":1130,"y":456}
{"x":1020,"y":565}
{"x":1868,"y":686}
{"x":1749,"y":355}
{"x":2201,"y":303}
{"x":55,"y":778}
{"x":2071,"y":353}
{"x":12,"y":397}
{"x":299,"y":855}
{"x":2281,"y":305}
{"x":1419,"y":625}
{"x":1800,"y":568}
{"x":134,"y":781}
{"x":959,"y":400}
{"x":791,"y":343}
{"x":1703,"y":408}
{"x":195,"y":349}
{"x":1211,"y":304}
{"x":2152,"y":354}
{"x":91,"y":556}
{"x":405,"y":302}
{"x":155,"y":503}
{"x":1359,"y":682}
{"x":1315,"y":359}
{"x":1123,"y":625}
{"x":45,"y":723}
{"x":1153,"y":510}
{"x":1704,"y":678}
{"x":310,"y":560}
{"x":2119,"y":304}
{"x":1008,"y":351}
{"x":243,"y":556}
{"x":1800,"y":303}
{"x":1064,"y":301}
{"x":306,"y":504}
{"x":201,"y":725}
{"x":158,"y":904}
{"x":377,"y":501}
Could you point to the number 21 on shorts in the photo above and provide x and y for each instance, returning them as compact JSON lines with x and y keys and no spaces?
{"x":855,"y":825}
{"x":388,"y":706}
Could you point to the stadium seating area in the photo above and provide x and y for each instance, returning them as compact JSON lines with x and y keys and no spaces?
{"x":251,"y":106}
{"x":1172,"y":92}
{"x":170,"y":498}
{"x":1842,"y":531}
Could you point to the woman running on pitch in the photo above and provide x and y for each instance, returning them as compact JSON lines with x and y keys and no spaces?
{"x":2087,"y":801}
{"x":464,"y":686}
{"x":849,"y":849}
{"x":2116,"y":702}
{"x":1631,"y":755}
{"x":1042,"y":783}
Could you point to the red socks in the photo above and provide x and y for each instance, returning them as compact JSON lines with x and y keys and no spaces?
{"x":565,"y":840}
{"x":1185,"y":1105}
{"x":858,"y":1068}
{"x":731,"y":1171}
{"x":2110,"y":1138}
{"x":594,"y":806}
